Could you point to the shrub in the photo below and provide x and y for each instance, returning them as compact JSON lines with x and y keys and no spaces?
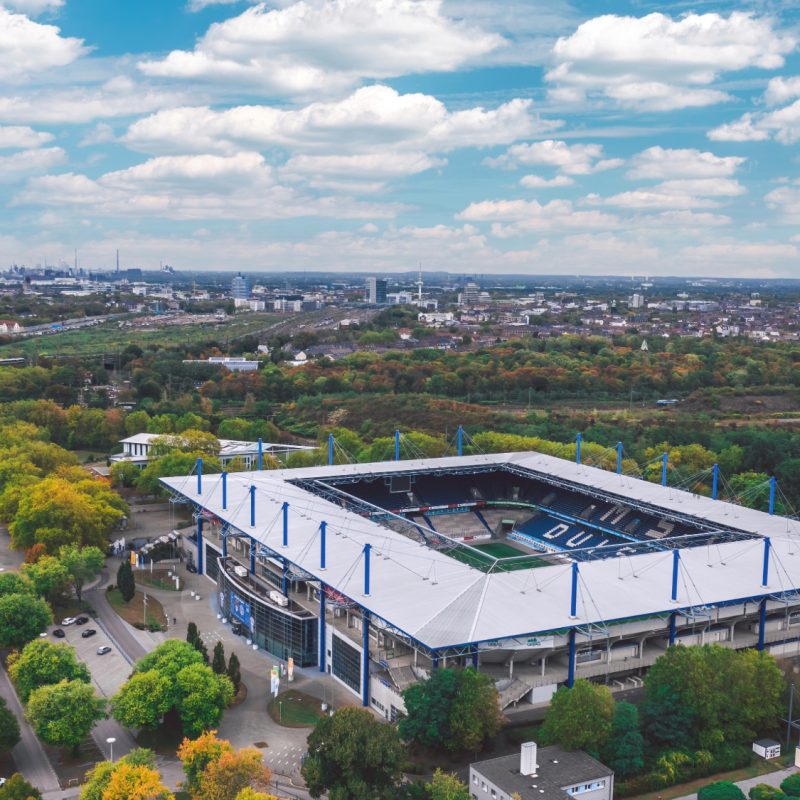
{"x":763,"y":791}
{"x":791,"y":785}
{"x":721,"y":790}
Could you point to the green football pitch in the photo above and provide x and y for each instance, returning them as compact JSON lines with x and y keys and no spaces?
{"x":482,"y":556}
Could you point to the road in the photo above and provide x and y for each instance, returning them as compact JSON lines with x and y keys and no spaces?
{"x":28,"y":755}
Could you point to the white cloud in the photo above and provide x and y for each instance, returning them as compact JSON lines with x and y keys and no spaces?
{"x":674,"y":194}
{"x":783,"y":125}
{"x":570,"y":159}
{"x":537,"y":182}
{"x":314,"y":46}
{"x":19,"y":136}
{"x":33,"y":7}
{"x":756,"y":259}
{"x":29,"y":162}
{"x":199,"y":187}
{"x":199,"y":5}
{"x":526,"y":216}
{"x":28,"y":47}
{"x":690,"y":219}
{"x":663,"y":163}
{"x":658,"y":63}
{"x":786,"y":200}
{"x":780,"y":89}
{"x":118,"y":97}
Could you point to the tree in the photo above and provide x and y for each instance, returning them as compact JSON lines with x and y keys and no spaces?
{"x":49,"y":577}
{"x":82,"y":564}
{"x":63,"y":713}
{"x":192,"y":634}
{"x":17,"y":788}
{"x":14,"y":583}
{"x":763,"y":791}
{"x":720,"y":790}
{"x":251,"y":794}
{"x":624,"y":752}
{"x":9,"y":728}
{"x":42,"y":663}
{"x":130,"y":782}
{"x":352,"y":756}
{"x":234,"y":672}
{"x":445,"y":786}
{"x":22,"y":618}
{"x":143,"y":701}
{"x":218,"y":661}
{"x":224,"y":777}
{"x":126,"y":583}
{"x":197,"y":754}
{"x":452,"y":710}
{"x":98,"y":778}
{"x":579,"y":718}
{"x":202,"y":698}
{"x":791,"y":785}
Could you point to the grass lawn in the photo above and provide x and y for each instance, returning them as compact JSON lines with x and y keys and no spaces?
{"x":133,"y":612}
{"x":159,"y":579}
{"x":495,"y":550}
{"x":293,"y":709}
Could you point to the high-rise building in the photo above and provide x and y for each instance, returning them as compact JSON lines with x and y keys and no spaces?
{"x":376,"y":291}
{"x":470,"y":294}
{"x":637,"y":301}
{"x":240,"y":288}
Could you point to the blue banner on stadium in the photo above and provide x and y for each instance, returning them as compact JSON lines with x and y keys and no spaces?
{"x":240,"y":609}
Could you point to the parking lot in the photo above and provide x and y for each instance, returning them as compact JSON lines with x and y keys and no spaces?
{"x":110,"y":671}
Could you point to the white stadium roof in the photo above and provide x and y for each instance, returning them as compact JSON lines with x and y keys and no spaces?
{"x":441,"y":602}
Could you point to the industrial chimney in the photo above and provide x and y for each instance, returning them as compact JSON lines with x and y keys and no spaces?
{"x":527,"y":759}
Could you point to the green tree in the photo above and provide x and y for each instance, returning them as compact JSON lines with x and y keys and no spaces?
{"x":202,"y":698}
{"x":62,"y":714}
{"x":49,"y":577}
{"x":42,"y":663}
{"x":136,"y":422}
{"x":126,"y":583}
{"x":218,"y":660}
{"x":453,"y":709}
{"x":17,"y":788}
{"x":579,"y":718}
{"x":22,"y":618}
{"x":192,"y":634}
{"x":82,"y":563}
{"x":720,"y":790}
{"x":763,"y":791}
{"x":624,"y":751}
{"x":791,"y":785}
{"x":143,"y":701}
{"x":14,"y":583}
{"x":352,"y":756}
{"x":9,"y":728}
{"x":234,"y":672}
{"x":446,"y":786}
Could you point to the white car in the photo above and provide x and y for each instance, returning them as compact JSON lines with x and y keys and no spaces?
{"x":68,"y":621}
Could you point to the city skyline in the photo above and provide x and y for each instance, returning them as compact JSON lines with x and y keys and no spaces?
{"x":370,"y":135}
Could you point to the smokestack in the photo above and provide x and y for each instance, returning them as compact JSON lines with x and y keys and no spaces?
{"x":527,"y":759}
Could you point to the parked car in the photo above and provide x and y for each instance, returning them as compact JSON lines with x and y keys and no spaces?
{"x":68,"y":621}
{"x":102,"y":650}
{"x":81,"y":620}
{"x":191,"y":568}
{"x":88,"y":632}
{"x":58,"y":633}
{"x":238,"y":629}
{"x":2,"y":781}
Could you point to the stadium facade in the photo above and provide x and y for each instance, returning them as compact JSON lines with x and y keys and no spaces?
{"x":534,"y":569}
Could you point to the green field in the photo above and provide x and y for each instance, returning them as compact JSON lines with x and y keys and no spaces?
{"x":294,"y":709}
{"x":492,"y":551}
{"x":110,"y":337}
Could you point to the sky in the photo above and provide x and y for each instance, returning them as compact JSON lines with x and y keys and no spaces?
{"x":575,"y":137}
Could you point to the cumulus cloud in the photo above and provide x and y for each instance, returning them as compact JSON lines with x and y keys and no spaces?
{"x":663,"y":163}
{"x":33,"y":7}
{"x":199,"y":5}
{"x":537,"y":182}
{"x":373,"y":135}
{"x":658,"y":63}
{"x":21,"y":136}
{"x":29,"y":162}
{"x":786,"y":200}
{"x":574,"y":159}
{"x":675,"y":194}
{"x":198,"y":187}
{"x":783,"y":125}
{"x":313,"y":46}
{"x":28,"y":47}
{"x":780,"y":89}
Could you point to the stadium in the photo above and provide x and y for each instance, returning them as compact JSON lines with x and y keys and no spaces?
{"x":534,"y":569}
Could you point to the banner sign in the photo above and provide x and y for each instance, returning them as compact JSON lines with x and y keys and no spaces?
{"x":525,"y":643}
{"x":240,"y":609}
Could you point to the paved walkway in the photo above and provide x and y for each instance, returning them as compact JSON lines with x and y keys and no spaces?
{"x":771,"y":778}
{"x":28,"y":754}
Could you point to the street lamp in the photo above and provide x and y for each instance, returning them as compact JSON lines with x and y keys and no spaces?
{"x":110,"y":742}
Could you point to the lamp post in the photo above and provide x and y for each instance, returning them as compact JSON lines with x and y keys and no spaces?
{"x":110,"y":741}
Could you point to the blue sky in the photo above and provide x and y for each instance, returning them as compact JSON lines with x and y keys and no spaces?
{"x":477,"y":136}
